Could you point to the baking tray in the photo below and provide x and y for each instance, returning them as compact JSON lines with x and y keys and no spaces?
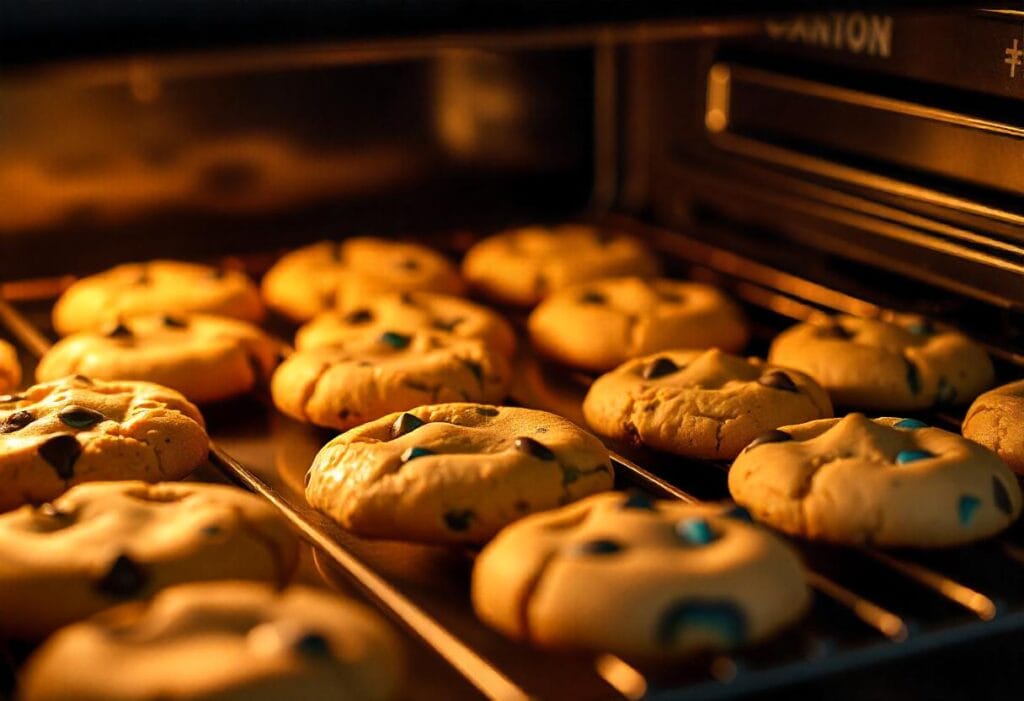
{"x":870,"y":607}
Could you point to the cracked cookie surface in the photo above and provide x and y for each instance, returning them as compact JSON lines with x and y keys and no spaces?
{"x":454,"y":473}
{"x":102,"y":543}
{"x":995,"y":419}
{"x":601,"y":324}
{"x":377,"y":371}
{"x":347,"y":274}
{"x":158,"y":286}
{"x":10,"y":368}
{"x":637,"y":577}
{"x":407,"y":311}
{"x":873,"y":364}
{"x":888,"y":481}
{"x":206,"y":358}
{"x":58,"y":434}
{"x":701,"y":404}
{"x":229,"y":641}
{"x":522,"y":266}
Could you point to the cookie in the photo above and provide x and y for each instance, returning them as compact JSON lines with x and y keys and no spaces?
{"x":994,"y":420}
{"x":379,"y":371}
{"x":59,"y":434}
{"x":601,"y":324}
{"x":407,"y":311}
{"x":454,"y":473}
{"x":206,"y":358}
{"x":701,"y":404}
{"x":230,"y":641}
{"x":160,"y":286}
{"x":10,"y":368}
{"x":874,"y":364}
{"x":639,"y":578}
{"x":348,"y":274}
{"x":523,"y":266}
{"x":102,"y":543}
{"x":888,"y":482}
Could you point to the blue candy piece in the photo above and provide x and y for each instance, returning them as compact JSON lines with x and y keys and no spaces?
{"x":722,"y":617}
{"x":695,"y":531}
{"x":910,"y":424}
{"x":739,"y":513}
{"x":395,"y":340}
{"x":966,"y":508}
{"x":638,"y":500}
{"x":905,"y":456}
{"x":413,"y":453}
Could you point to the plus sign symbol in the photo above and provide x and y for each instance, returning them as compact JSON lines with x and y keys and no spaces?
{"x":1014,"y":57}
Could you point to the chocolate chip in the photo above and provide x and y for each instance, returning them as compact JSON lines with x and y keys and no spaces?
{"x":312,"y":645}
{"x":448,"y":326}
{"x":638,"y":500}
{"x":913,"y":377}
{"x":907,"y":456}
{"x":359,"y":316}
{"x":16,"y":421}
{"x":343,"y":414}
{"x":409,"y":264}
{"x":773,"y":436}
{"x":834,"y":329}
{"x":910,"y":424}
{"x":415,"y":452}
{"x":722,"y":617}
{"x":598,"y":546}
{"x":124,"y":579}
{"x":61,"y":452}
{"x":486,"y":411}
{"x":395,"y":340}
{"x":1001,"y":497}
{"x":533,"y":448}
{"x":79,"y":416}
{"x":776,"y":379}
{"x":119,"y":330}
{"x":175,"y":322}
{"x":659,"y":367}
{"x":591,"y":297}
{"x":404,"y":424}
{"x":459,"y":520}
{"x":966,"y":508}
{"x":695,"y":531}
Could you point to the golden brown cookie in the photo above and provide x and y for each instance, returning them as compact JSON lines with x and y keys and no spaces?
{"x":159,"y":286}
{"x":873,"y":364}
{"x":641,"y":578}
{"x":702,"y":404}
{"x":59,"y":434}
{"x":10,"y":368}
{"x":995,"y":420}
{"x":890,"y":482}
{"x":522,"y":266}
{"x":346,"y":275}
{"x":601,"y":324}
{"x":454,"y":473}
{"x":102,"y":543}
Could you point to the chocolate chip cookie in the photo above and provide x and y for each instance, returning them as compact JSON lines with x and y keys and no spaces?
{"x":348,"y":274}
{"x":10,"y":368}
{"x":641,"y":578}
{"x":229,"y":641}
{"x":702,"y":404}
{"x":601,"y":324}
{"x":102,"y":543}
{"x":378,"y":371}
{"x":898,"y":365}
{"x":160,"y":286}
{"x":522,"y":266}
{"x":889,"y":482}
{"x":206,"y":358}
{"x":59,"y":434}
{"x":407,"y":311}
{"x":995,"y":419}
{"x":454,"y":473}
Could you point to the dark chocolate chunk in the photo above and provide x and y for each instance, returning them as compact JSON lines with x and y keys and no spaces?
{"x":910,"y":424}
{"x":409,"y":264}
{"x":415,"y":452}
{"x":395,"y":340}
{"x":659,"y":367}
{"x":907,"y":456}
{"x":405,"y":423}
{"x":534,"y":448}
{"x":459,"y":519}
{"x":695,"y":531}
{"x":598,"y":546}
{"x":359,"y":316}
{"x":61,"y":452}
{"x":343,"y":414}
{"x":724,"y":618}
{"x":124,"y":579}
{"x":175,"y":322}
{"x":777,"y":379}
{"x":448,"y":326}
{"x":312,"y":645}
{"x":638,"y":500}
{"x":119,"y":330}
{"x":773,"y":436}
{"x":486,"y":411}
{"x":966,"y":507}
{"x":79,"y":416}
{"x":913,"y":377}
{"x":16,"y":421}
{"x":591,"y":297}
{"x":1001,"y":497}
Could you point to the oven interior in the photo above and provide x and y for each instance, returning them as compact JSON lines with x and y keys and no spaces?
{"x":808,"y":163}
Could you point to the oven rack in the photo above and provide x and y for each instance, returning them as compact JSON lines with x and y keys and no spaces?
{"x":870,"y":606}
